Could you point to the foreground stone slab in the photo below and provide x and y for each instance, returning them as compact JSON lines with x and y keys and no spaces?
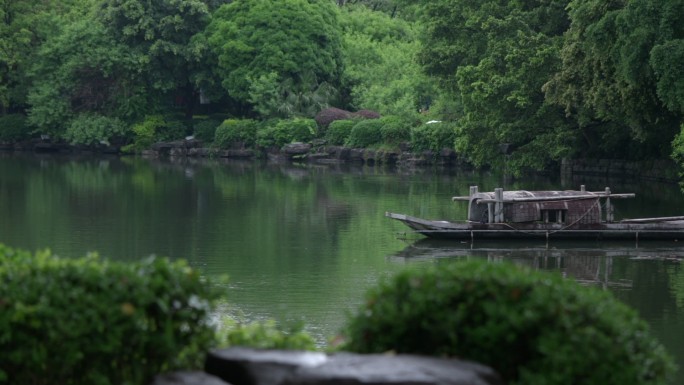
{"x":246,"y":366}
{"x":382,"y":369}
{"x":187,"y":378}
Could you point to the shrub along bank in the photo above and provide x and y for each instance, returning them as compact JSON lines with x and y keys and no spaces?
{"x":363,"y":129}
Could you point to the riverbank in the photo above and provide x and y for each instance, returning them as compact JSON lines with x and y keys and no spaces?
{"x":319,"y":152}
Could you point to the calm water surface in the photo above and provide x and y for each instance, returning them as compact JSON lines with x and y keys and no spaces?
{"x":304,"y":243}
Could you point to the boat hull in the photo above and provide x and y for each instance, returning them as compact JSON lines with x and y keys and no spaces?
{"x":668,"y":230}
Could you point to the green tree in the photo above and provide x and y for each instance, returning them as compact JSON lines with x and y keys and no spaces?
{"x":493,"y":57}
{"x":297,"y":40}
{"x":24,"y":26}
{"x":160,"y":33}
{"x":84,"y":70}
{"x":125,"y":60}
{"x":621,"y":74}
{"x":381,"y":72}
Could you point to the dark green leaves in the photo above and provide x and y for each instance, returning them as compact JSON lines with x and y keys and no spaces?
{"x":532,"y":327}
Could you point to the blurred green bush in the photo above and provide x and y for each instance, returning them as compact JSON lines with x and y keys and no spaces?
{"x":92,"y":321}
{"x":532,"y":327}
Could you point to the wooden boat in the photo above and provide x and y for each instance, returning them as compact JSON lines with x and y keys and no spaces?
{"x":545,"y":214}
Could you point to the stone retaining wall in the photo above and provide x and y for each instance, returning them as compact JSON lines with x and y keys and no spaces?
{"x":320,"y":153}
{"x":658,"y":170}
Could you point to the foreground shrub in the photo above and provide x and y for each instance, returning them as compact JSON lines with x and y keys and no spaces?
{"x":263,"y":335}
{"x":13,"y":128}
{"x":338,"y":131}
{"x":236,"y":133}
{"x":532,"y":327}
{"x":365,"y":133}
{"x":91,"y":321}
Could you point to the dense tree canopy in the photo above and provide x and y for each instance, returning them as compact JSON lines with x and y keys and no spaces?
{"x":291,"y":47}
{"x":84,"y":70}
{"x":621,"y":74}
{"x":380,"y":68}
{"x":494,"y":57}
{"x":542,"y":79}
{"x":24,"y":26}
{"x":160,"y":31}
{"x":122,"y":60}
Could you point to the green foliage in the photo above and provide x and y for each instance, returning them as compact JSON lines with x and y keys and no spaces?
{"x":71,"y":79}
{"x":395,"y":130}
{"x":264,"y":335}
{"x":277,"y":133}
{"x":275,"y":98}
{"x":13,"y":128}
{"x":620,"y":73}
{"x":380,"y":68}
{"x":160,"y":33}
{"x":532,"y":327}
{"x":88,"y":128}
{"x":24,"y":26}
{"x":666,"y":59}
{"x":234,"y":132}
{"x":173,"y":129}
{"x":92,"y":321}
{"x":287,"y":49}
{"x":365,"y":133}
{"x":678,"y":150}
{"x":145,"y":131}
{"x":494,"y":57}
{"x":433,"y":136}
{"x":338,"y":131}
{"x":205,"y":129}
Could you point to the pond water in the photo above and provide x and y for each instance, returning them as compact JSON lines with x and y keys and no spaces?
{"x":304,"y":243}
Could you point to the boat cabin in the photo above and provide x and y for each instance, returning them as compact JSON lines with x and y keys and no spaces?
{"x":562,"y":207}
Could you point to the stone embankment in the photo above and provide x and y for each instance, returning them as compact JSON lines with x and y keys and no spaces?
{"x":663,"y":170}
{"x":317,"y":152}
{"x":246,"y":366}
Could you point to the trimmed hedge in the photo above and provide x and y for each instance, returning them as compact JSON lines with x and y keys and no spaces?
{"x":395,"y":130}
{"x":532,"y":327}
{"x":236,"y":133}
{"x":277,"y":133}
{"x":338,"y":131}
{"x":365,"y":133}
{"x":92,"y":321}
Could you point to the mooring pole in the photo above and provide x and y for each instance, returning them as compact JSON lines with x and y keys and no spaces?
{"x":609,"y":208}
{"x":498,"y":206}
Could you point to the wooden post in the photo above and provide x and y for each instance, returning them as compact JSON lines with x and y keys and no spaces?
{"x":609,"y":208}
{"x":498,"y":206}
